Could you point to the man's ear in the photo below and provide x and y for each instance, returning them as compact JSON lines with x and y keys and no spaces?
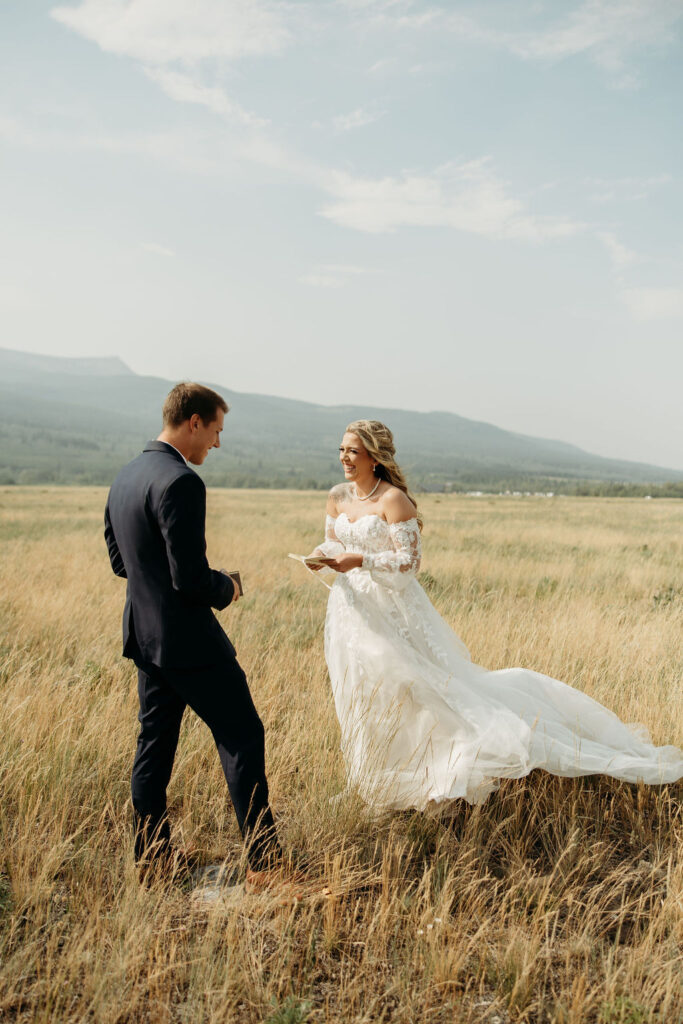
{"x":194,"y":421}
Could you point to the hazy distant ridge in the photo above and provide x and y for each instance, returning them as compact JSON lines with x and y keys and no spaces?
{"x":78,"y":420}
{"x":14,"y":364}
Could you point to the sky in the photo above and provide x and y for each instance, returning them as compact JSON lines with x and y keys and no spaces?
{"x":470,"y":207}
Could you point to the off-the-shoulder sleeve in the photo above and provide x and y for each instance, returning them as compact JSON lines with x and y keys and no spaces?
{"x":331,"y":546}
{"x":394,"y":568}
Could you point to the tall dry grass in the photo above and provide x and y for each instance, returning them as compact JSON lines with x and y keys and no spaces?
{"x":557,"y":901}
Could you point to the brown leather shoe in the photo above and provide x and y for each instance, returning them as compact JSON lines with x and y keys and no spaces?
{"x":280,"y":881}
{"x":170,"y":867}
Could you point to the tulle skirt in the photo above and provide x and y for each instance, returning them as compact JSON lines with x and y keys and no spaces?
{"x":420,"y":723}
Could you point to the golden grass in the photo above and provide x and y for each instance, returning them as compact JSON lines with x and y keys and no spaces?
{"x":557,"y":901}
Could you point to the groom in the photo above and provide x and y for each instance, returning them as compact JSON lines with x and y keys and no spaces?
{"x":154,"y":528}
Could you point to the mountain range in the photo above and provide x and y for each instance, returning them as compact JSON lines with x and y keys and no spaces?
{"x":65,"y":420}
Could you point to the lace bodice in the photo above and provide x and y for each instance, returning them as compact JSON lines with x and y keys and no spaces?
{"x":388,"y":549}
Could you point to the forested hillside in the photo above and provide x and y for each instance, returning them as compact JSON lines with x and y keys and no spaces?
{"x":79,"y":420}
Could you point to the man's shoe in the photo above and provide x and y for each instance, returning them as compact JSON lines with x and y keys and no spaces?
{"x":169,"y":867}
{"x":280,"y":881}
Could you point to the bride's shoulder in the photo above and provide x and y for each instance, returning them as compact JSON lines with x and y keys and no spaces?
{"x":336,"y":497}
{"x":397,"y":506}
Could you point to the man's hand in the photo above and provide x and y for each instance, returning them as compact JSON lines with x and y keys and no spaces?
{"x":235,"y":588}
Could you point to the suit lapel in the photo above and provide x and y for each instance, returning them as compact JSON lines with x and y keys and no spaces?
{"x":167,"y":449}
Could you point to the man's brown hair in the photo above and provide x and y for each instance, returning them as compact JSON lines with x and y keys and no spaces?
{"x":186,"y":399}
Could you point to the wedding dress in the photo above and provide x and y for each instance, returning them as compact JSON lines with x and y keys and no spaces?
{"x":420,"y":722}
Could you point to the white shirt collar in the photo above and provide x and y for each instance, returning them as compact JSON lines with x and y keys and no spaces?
{"x":176,"y":450}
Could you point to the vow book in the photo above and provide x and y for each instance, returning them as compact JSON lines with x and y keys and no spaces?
{"x":323,"y":574}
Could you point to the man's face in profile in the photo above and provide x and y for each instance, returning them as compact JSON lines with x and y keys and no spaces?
{"x":205,"y":436}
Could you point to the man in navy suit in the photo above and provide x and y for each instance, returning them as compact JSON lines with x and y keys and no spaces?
{"x":154,"y":528}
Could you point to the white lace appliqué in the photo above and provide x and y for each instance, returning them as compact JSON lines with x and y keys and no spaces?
{"x":405,"y":556}
{"x":331,"y":546}
{"x":391,"y":551}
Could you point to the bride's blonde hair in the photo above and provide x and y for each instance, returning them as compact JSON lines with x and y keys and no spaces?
{"x":378,"y":442}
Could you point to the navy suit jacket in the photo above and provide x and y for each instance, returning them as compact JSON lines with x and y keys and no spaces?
{"x":154,"y":528}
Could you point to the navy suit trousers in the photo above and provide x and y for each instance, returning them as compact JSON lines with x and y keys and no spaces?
{"x":219,"y":694}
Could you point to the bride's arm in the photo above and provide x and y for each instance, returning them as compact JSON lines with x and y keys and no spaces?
{"x":394,"y":568}
{"x":331,"y":546}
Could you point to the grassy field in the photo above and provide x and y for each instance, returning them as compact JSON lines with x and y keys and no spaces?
{"x":557,"y":901}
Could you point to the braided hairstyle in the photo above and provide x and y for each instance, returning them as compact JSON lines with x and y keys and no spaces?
{"x":378,"y":442}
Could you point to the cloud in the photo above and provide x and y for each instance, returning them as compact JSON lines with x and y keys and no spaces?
{"x":17,"y":134}
{"x":346,"y":268}
{"x":467,"y":197}
{"x":160,"y":250}
{"x":619,"y":254}
{"x":321,"y":281}
{"x":625,"y":189}
{"x":333,"y":275}
{"x":606,"y":31}
{"x":196,"y":151}
{"x":184,"y":89}
{"x":654,"y":303}
{"x":162,"y":31}
{"x":642,"y":303}
{"x":401,"y":14}
{"x":356,"y":119}
{"x":380,"y":66}
{"x":16,"y":297}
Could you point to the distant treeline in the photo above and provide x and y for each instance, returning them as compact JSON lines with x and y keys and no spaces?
{"x":100,"y":476}
{"x":576,"y":488}
{"x":615,"y":490}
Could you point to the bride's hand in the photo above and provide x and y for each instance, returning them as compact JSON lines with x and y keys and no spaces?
{"x":346,"y":562}
{"x":316,"y":554}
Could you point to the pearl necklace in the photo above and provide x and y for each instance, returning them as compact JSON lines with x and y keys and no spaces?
{"x":359,"y":498}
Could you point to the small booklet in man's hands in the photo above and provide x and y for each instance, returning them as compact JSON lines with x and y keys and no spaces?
{"x":237,"y":580}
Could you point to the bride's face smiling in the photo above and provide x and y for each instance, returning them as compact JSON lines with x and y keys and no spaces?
{"x":356,"y":462}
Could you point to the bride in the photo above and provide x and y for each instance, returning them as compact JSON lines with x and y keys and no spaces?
{"x":419,"y":722}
